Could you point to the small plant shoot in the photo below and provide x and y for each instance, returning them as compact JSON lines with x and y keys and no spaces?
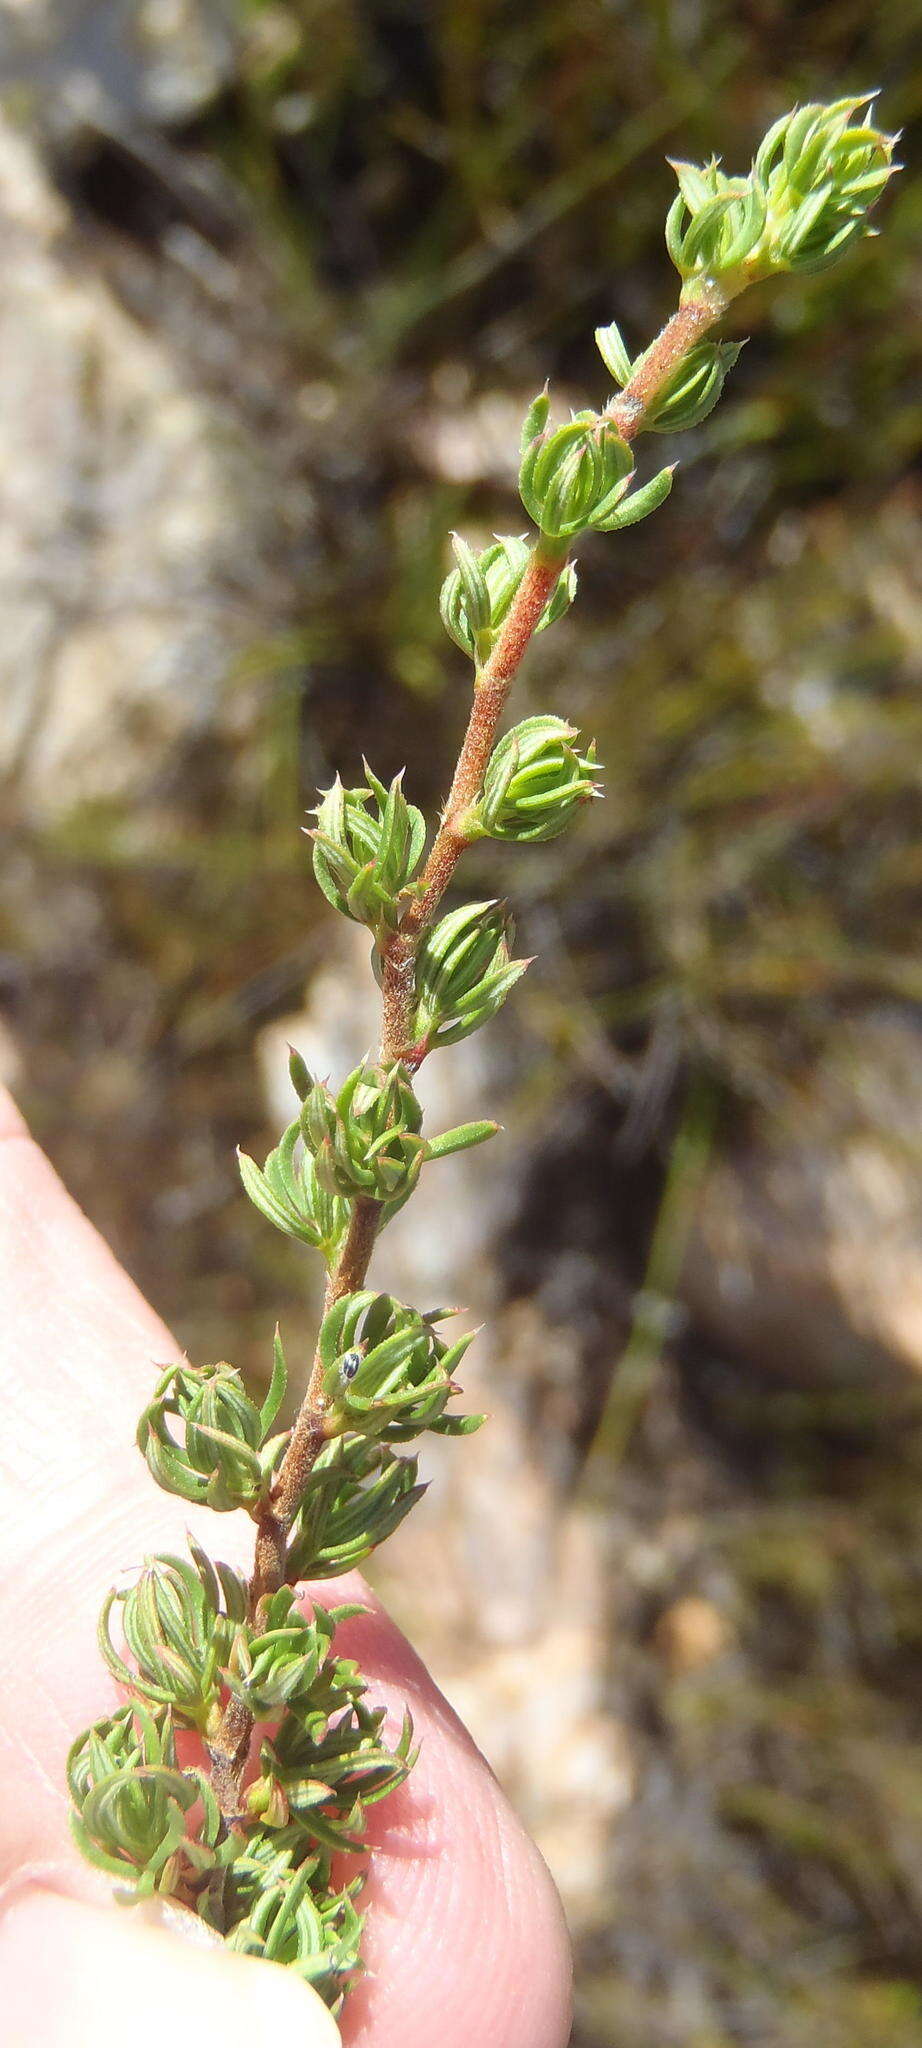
{"x":256,"y":1819}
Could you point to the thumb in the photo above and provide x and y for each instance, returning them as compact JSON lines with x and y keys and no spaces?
{"x":81,"y":1976}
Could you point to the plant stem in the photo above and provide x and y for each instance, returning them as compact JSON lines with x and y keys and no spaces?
{"x":229,"y":1750}
{"x":663,"y":356}
{"x":494,"y":682}
{"x":398,"y":959}
{"x":227,"y":1755}
{"x":491,"y":690}
{"x":308,"y":1437}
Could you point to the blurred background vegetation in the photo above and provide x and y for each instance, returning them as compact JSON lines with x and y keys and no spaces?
{"x":279,"y":281}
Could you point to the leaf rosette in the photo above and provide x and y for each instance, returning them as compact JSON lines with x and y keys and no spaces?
{"x":178,"y":1621}
{"x":806,"y":199}
{"x":537,"y":781}
{"x":478,"y":593}
{"x":223,"y":1457}
{"x":368,"y":843}
{"x":138,"y":1816}
{"x":386,"y":1372}
{"x":578,"y":476}
{"x":463,"y":973}
{"x":822,"y":171}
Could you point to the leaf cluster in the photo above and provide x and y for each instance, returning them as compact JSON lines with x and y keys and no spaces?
{"x":806,"y":199}
{"x":226,"y":1457}
{"x":367,"y":845}
{"x":267,"y":1885}
{"x":364,"y":1141}
{"x":477,"y":594}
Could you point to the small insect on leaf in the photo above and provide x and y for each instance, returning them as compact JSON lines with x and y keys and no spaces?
{"x":350,"y":1364}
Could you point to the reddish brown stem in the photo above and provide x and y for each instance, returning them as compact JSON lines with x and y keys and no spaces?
{"x":308,"y":1436}
{"x":495,"y":680}
{"x":229,"y":1750}
{"x":664,"y":355}
{"x":491,"y":692}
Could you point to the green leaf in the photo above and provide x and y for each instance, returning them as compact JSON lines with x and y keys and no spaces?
{"x":693,"y":184}
{"x":460,"y":1139}
{"x":610,"y":344}
{"x":301,"y":1081}
{"x":535,"y":419}
{"x":278,"y":1386}
{"x":641,"y":502}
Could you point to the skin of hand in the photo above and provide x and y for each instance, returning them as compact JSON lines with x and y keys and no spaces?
{"x":465,"y":1944}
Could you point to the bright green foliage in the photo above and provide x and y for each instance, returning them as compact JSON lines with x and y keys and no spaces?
{"x":133,"y":1805}
{"x":579,"y":476}
{"x":289,"y":1914}
{"x":289,"y":1193}
{"x":327,"y":1764}
{"x":202,"y":1649}
{"x":714,"y":224}
{"x":806,"y":199}
{"x":367,"y":845}
{"x":320,"y":1771}
{"x":366,"y":1139}
{"x":267,"y":1888}
{"x":537,"y":782}
{"x":822,"y":171}
{"x":478,"y":593}
{"x":277,"y":1901}
{"x":277,"y":1665}
{"x":464,"y":973}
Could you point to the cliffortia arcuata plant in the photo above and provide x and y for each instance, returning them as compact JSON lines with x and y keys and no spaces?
{"x":251,"y":1843}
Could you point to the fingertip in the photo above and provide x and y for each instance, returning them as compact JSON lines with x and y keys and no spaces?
{"x":75,"y":1973}
{"x":12,"y":1122}
{"x":465,"y":1941}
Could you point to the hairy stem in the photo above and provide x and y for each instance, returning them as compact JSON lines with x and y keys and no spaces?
{"x":307,"y":1437}
{"x":493,"y":683}
{"x":491,"y":691}
{"x":229,"y":1749}
{"x":687,"y":326}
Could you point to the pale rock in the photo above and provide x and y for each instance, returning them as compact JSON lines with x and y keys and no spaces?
{"x":806,"y":1255}
{"x":142,"y":520}
{"x":690,"y":1634}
